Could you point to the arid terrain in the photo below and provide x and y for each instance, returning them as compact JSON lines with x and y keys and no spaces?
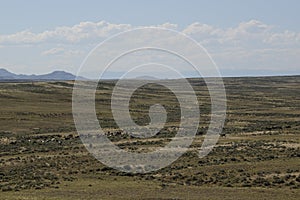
{"x":42,"y":156}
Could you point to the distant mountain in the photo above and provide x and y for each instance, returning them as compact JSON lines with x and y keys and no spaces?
{"x":151,"y":78}
{"x":4,"y":74}
{"x":56,"y":75}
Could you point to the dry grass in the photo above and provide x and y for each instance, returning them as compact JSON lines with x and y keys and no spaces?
{"x":41,"y":156}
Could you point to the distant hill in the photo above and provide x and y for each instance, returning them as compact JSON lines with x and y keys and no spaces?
{"x":146,"y":78}
{"x":56,"y":75}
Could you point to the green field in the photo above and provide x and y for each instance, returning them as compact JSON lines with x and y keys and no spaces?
{"x":42,"y":157}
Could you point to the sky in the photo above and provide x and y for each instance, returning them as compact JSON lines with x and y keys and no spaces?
{"x":244,"y":38}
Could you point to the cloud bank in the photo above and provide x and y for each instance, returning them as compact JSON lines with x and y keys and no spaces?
{"x":251,"y":45}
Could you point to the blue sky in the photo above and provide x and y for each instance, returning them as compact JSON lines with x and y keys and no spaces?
{"x":38,"y":15}
{"x":279,"y":19}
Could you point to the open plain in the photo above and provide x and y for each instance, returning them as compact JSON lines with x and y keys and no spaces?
{"x":42,"y":156}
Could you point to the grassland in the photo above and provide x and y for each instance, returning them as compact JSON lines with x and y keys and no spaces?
{"x":42,"y":157}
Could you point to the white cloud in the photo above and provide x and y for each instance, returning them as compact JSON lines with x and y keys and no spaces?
{"x":59,"y":51}
{"x":248,"y":34}
{"x":76,"y":33}
{"x":202,"y":29}
{"x":245,"y":33}
{"x":251,"y":43}
{"x":53,"y":51}
{"x":284,"y":38}
{"x":168,"y":26}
